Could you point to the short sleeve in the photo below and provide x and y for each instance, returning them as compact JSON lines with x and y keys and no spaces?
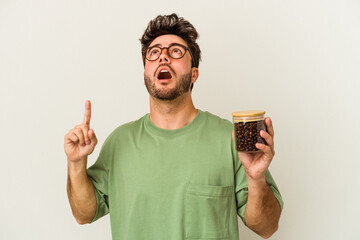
{"x":98,"y":174}
{"x":241,"y":188}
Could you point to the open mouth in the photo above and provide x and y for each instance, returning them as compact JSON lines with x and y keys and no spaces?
{"x":164,"y":75}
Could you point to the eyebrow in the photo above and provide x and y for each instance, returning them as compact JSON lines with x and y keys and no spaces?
{"x":171,"y":44}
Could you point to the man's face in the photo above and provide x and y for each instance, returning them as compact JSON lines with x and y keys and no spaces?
{"x":169,"y":86}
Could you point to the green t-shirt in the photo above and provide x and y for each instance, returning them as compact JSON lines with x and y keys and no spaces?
{"x":178,"y":184}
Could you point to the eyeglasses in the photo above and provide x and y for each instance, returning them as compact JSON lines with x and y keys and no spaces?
{"x":175,"y":51}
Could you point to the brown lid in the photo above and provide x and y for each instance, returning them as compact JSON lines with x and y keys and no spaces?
{"x":249,"y":113}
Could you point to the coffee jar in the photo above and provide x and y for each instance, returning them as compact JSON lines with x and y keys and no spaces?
{"x":247,"y":127}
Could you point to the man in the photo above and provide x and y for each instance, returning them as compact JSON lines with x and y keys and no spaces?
{"x":174,"y":173}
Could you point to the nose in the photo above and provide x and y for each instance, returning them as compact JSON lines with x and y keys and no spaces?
{"x":164,"y":57}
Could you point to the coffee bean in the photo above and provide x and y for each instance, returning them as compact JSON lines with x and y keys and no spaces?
{"x":247,"y":134}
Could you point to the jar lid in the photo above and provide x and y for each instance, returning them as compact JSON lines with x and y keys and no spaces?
{"x":248,"y":113}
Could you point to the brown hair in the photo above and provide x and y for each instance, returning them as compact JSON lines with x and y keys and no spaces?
{"x":172,"y":24}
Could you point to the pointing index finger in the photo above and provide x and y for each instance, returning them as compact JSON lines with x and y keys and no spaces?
{"x":87,"y":114}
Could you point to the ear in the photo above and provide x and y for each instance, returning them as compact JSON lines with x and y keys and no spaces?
{"x":194,"y":74}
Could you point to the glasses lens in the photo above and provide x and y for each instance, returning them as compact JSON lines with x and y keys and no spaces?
{"x":176,"y":51}
{"x":153,"y":53}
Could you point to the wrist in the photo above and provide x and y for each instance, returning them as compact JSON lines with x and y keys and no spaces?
{"x":256,"y":183}
{"x":77,"y":167}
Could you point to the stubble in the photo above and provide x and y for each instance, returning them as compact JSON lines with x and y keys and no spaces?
{"x":166,"y":94}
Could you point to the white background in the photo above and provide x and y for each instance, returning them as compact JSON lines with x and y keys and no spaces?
{"x":298,"y":60}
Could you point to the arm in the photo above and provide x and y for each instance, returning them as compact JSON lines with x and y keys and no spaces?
{"x":263,"y":210}
{"x":78,"y":144}
{"x":81,"y":193}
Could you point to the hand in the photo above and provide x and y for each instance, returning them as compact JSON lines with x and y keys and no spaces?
{"x":256,"y":164}
{"x":80,"y":141}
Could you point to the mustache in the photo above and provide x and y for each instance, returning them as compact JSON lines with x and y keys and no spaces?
{"x":167,"y":65}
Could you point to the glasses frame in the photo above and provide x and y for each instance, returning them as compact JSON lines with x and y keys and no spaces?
{"x":167,"y":49}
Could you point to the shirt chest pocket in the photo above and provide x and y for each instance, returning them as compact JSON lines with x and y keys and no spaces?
{"x":207,"y":211}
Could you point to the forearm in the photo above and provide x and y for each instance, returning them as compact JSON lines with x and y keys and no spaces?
{"x":81,"y":193}
{"x":262,"y":211}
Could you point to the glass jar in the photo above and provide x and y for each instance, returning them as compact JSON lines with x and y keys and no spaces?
{"x":247,"y":126}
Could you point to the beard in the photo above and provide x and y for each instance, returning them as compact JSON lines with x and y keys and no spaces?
{"x":165,"y":94}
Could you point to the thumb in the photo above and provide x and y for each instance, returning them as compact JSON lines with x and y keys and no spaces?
{"x":92,"y":136}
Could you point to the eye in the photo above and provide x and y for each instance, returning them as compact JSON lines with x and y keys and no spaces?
{"x":177,"y":50}
{"x":154,"y":51}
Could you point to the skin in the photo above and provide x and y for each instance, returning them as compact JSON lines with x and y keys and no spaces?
{"x":176,"y":113}
{"x":80,"y":142}
{"x":263,"y":210}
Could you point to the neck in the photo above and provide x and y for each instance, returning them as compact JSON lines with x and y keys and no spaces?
{"x":172,"y":114}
